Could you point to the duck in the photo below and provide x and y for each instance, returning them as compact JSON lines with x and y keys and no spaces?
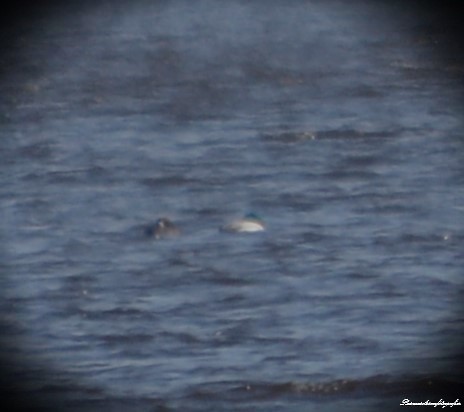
{"x":249,"y":223}
{"x":162,"y":228}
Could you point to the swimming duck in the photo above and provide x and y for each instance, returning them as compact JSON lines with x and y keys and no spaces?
{"x":250,"y":223}
{"x":162,"y":228}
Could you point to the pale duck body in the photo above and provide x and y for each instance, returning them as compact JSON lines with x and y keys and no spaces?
{"x":250,"y":223}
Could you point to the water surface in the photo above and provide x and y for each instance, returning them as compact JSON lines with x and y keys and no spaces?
{"x":340,"y":126}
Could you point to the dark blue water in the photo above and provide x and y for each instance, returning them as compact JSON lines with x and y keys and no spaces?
{"x":340,"y":126}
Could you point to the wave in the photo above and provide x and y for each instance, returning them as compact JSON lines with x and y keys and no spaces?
{"x":300,"y":136}
{"x":242,"y":395}
{"x":377,"y":386}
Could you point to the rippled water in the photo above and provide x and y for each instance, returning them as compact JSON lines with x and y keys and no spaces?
{"x":340,"y":126}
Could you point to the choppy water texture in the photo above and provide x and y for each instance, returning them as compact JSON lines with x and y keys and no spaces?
{"x":340,"y":126}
